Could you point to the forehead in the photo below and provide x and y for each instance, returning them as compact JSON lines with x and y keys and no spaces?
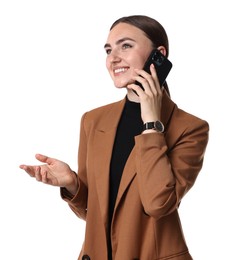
{"x":124,"y":30}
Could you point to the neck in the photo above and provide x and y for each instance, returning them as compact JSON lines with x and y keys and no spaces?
{"x":132,"y":96}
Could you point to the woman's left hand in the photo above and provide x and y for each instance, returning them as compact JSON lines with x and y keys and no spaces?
{"x":151,"y":96}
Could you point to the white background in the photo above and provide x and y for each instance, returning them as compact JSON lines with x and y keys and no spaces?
{"x":52,"y":70}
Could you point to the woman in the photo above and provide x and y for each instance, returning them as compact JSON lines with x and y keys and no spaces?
{"x":131,"y":179}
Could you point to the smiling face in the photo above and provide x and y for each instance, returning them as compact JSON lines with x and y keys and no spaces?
{"x":127,"y":48}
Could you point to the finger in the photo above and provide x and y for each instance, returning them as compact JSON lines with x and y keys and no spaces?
{"x":44,"y":177}
{"x":23,"y":167}
{"x":44,"y":158}
{"x":38,"y":176}
{"x":28,"y":169}
{"x":138,"y":90}
{"x":146,"y":80}
{"x":157,"y":86}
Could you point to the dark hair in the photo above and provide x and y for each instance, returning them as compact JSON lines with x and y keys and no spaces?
{"x":152,"y":29}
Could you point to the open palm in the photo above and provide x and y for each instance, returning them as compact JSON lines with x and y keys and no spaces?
{"x":52,"y":171}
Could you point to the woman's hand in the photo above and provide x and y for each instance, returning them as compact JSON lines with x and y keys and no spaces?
{"x":53,"y":172}
{"x":151,"y":96}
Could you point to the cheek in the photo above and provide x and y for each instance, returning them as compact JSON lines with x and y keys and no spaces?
{"x":108,"y":67}
{"x":142,"y":62}
{"x":143,"y":58}
{"x":107,"y":63}
{"x":138,"y":63}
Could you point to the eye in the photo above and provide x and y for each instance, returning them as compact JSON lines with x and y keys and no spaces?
{"x":108,"y":51}
{"x":126,"y":46}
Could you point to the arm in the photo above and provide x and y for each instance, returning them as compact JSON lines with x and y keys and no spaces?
{"x":165,"y":175}
{"x":53,"y":172}
{"x":78,"y":202}
{"x":167,"y":164}
{"x":57,"y":173}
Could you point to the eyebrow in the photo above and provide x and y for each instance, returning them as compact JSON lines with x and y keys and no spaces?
{"x":107,"y":45}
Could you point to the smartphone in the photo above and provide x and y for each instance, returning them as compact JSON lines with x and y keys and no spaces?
{"x":162,"y":66}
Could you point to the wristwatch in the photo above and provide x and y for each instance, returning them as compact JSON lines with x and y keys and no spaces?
{"x":157,"y":125}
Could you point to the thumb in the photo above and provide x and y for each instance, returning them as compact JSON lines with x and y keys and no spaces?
{"x":43,"y":158}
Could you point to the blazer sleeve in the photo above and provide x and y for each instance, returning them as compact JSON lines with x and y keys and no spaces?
{"x":78,"y":203}
{"x":165,"y":174}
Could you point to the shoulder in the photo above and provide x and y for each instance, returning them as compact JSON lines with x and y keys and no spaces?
{"x":178,"y":120}
{"x":188,"y":121}
{"x":103,"y":115}
{"x":184,"y":127}
{"x":103,"y":110}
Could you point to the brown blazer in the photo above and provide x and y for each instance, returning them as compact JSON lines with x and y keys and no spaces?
{"x":159,"y":172}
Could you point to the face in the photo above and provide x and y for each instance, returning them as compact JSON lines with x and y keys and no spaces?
{"x":127,"y":49}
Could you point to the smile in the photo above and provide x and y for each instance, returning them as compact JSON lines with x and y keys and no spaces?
{"x":119,"y":70}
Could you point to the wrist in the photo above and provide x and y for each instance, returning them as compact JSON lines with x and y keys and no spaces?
{"x":154,"y":126}
{"x":148,"y":131}
{"x":73,"y":187}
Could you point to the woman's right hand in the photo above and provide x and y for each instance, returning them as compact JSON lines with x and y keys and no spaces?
{"x":53,"y":172}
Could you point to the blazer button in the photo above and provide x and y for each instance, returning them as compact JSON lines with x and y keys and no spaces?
{"x":85,"y":257}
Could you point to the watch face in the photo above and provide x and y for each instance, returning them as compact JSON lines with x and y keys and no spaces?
{"x":159,"y":126}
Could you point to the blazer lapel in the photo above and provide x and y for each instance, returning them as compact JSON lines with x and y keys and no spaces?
{"x":103,"y":147}
{"x":129,"y":173}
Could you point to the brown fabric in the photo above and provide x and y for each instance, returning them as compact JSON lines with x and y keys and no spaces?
{"x":159,"y":172}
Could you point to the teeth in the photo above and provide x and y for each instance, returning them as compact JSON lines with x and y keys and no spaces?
{"x":120,"y":70}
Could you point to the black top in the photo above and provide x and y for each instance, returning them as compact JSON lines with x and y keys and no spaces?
{"x":129,"y":126}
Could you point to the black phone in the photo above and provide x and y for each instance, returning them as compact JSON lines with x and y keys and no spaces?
{"x":162,"y":66}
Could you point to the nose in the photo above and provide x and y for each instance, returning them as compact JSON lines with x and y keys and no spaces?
{"x":114,"y":56}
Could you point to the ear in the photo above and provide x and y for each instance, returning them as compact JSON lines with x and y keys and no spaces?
{"x":162,"y":49}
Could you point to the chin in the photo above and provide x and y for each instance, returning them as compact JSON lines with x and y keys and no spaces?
{"x":122,"y":84}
